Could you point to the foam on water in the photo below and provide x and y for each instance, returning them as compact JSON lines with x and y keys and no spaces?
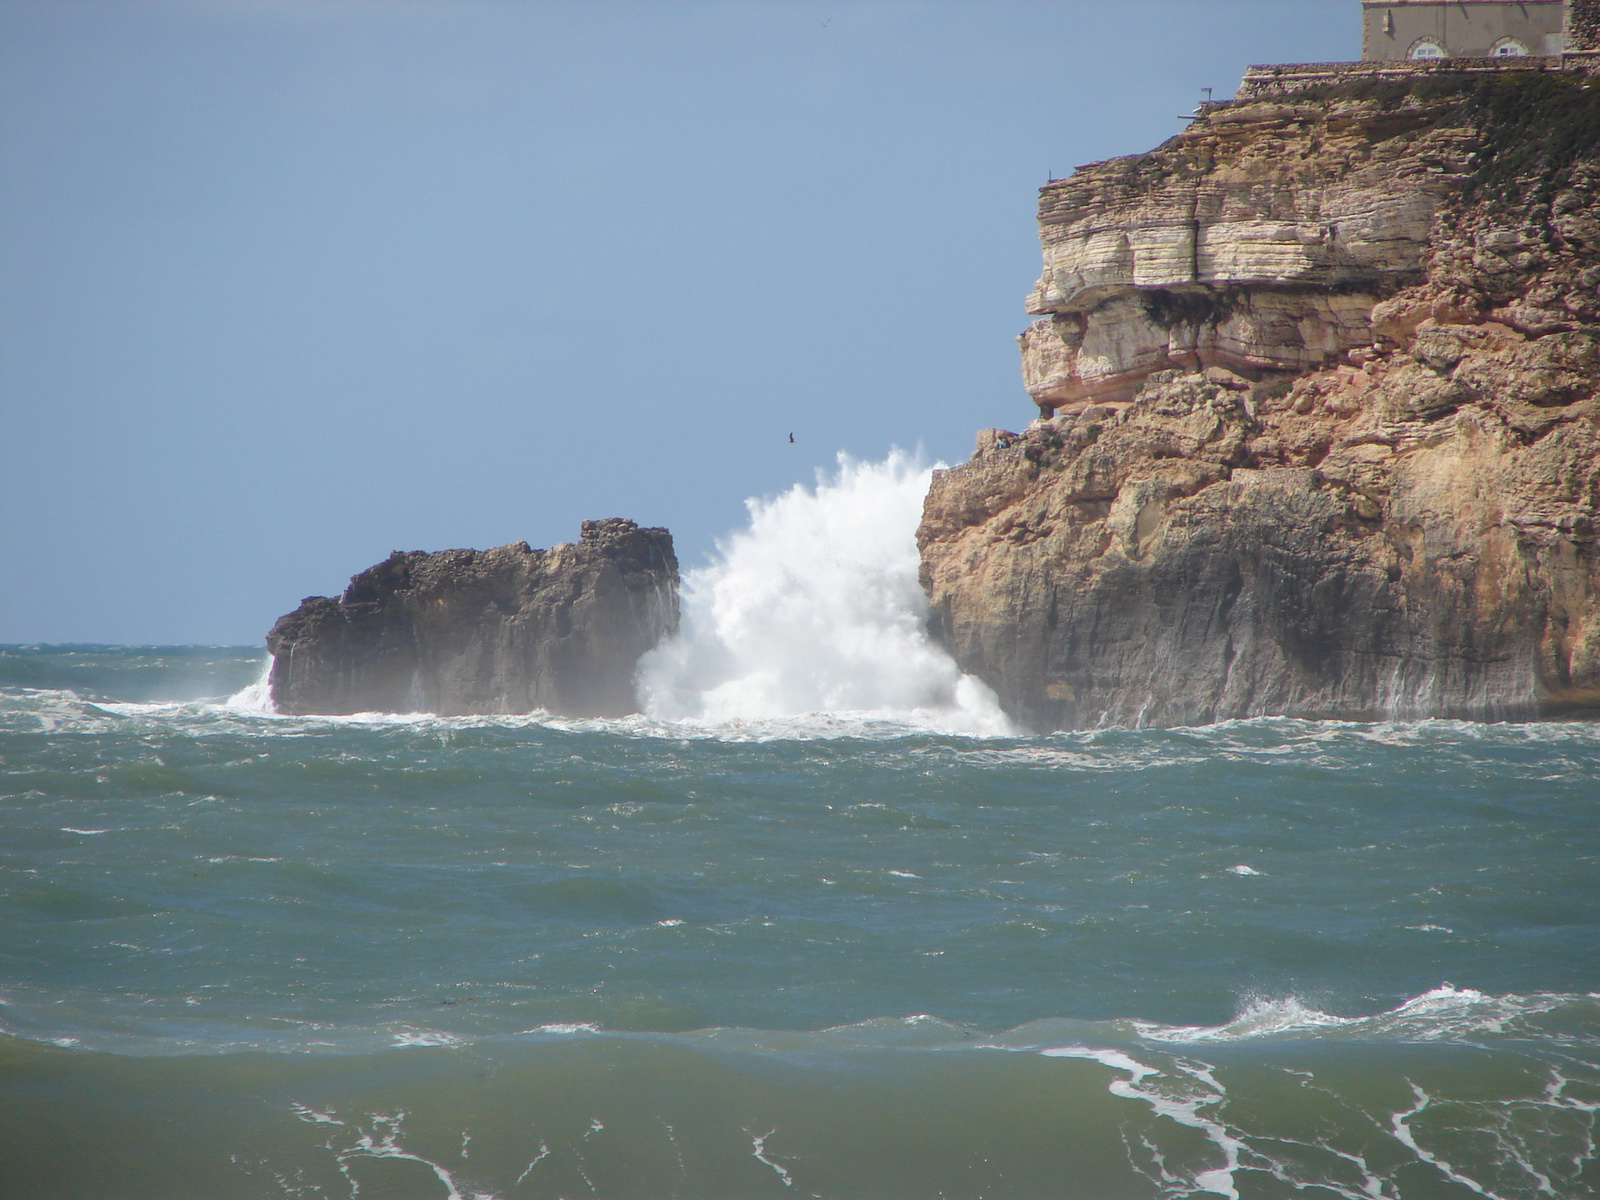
{"x":1442,"y":1014}
{"x":257,"y":696}
{"x":816,"y":608}
{"x":671,"y":923}
{"x":380,"y":1139}
{"x":1549,"y":1152}
{"x":1194,"y":1121}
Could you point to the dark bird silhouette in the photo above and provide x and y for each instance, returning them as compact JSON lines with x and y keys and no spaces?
{"x":826,"y":23}
{"x":791,"y":439}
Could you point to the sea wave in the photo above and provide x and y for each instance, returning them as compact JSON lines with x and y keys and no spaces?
{"x":1445,"y":1015}
{"x":1267,"y":740}
{"x":1265,"y":1106}
{"x":1441,"y":1014}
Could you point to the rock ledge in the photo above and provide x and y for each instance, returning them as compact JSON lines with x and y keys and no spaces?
{"x":1322,"y":385}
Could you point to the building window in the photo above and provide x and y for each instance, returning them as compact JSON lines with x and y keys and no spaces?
{"x":1426,"y":48}
{"x":1508,"y":48}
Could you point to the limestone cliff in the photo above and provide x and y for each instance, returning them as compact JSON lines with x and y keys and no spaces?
{"x":1323,"y":436}
{"x":507,"y":630}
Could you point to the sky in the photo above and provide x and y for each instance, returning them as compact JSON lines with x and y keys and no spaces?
{"x":287,"y":285}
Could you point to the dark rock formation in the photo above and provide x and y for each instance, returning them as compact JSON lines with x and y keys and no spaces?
{"x":508,"y":630}
{"x":1402,"y":521}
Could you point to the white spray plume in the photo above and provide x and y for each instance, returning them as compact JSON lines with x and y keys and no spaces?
{"x":257,"y":696}
{"x":816,"y":608}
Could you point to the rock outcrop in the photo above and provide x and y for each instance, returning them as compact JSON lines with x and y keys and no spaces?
{"x":508,"y":630}
{"x":1258,"y":240}
{"x":1324,"y":435}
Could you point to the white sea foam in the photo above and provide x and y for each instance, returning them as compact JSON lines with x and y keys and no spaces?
{"x":311,"y":1116}
{"x":816,"y":608}
{"x":1334,"y":745}
{"x":1442,"y":1014}
{"x":425,"y":1037}
{"x":758,"y":1151}
{"x":1184,"y":1091}
{"x":1115,"y":1059}
{"x":1188,"y":1092}
{"x":1538,"y":1155}
{"x":380,"y":1139}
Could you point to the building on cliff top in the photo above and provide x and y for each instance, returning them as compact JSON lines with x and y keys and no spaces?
{"x":1403,"y":38}
{"x":1420,"y":30}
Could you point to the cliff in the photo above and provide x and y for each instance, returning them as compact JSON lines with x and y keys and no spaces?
{"x":507,"y":630}
{"x":1321,"y":434}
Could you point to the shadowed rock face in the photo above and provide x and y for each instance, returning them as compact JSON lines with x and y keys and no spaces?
{"x":508,"y":630}
{"x":1407,"y":528}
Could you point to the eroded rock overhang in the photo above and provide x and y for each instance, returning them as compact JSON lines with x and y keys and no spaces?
{"x":1258,"y":240}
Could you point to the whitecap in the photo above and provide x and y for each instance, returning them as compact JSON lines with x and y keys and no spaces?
{"x":425,"y":1037}
{"x":1444,"y":1013}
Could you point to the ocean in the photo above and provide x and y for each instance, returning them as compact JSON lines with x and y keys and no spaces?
{"x":790,"y":933}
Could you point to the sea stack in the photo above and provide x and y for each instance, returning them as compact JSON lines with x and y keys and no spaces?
{"x":508,"y":630}
{"x":1319,"y":433}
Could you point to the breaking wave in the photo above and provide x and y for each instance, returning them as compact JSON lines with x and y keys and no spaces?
{"x":815,"y":607}
{"x":255,"y":697}
{"x":1264,"y":1107}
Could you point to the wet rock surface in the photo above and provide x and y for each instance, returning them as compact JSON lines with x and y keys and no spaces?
{"x":507,"y":630}
{"x":1400,"y":524}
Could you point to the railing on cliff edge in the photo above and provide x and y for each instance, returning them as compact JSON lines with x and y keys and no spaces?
{"x":1270,"y":80}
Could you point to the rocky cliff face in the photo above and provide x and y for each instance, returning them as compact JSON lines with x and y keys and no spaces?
{"x":507,"y":630}
{"x":1259,"y":240}
{"x":1323,"y":435}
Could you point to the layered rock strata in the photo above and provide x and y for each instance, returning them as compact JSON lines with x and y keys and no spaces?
{"x":508,"y":630}
{"x":1329,"y":447}
{"x":1258,"y":240}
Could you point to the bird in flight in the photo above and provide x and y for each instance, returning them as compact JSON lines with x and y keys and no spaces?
{"x":791,"y":439}
{"x":826,"y":23}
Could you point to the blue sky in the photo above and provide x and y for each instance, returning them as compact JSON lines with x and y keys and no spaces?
{"x":287,"y":285}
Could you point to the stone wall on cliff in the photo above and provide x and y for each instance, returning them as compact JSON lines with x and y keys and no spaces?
{"x":508,"y":630}
{"x":1325,"y":436}
{"x":1583,"y":25}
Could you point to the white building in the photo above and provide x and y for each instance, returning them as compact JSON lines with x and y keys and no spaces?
{"x":1432,"y":29}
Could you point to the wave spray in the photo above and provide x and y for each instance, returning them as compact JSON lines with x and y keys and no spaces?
{"x":255,"y":697}
{"x":815,"y":608}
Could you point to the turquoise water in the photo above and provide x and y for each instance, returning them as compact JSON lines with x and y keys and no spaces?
{"x":244,"y":955}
